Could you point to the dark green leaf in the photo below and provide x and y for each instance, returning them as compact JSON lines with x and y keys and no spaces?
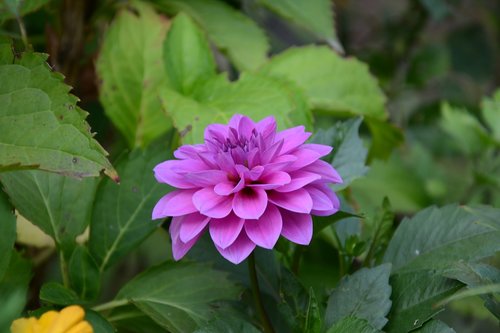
{"x":10,"y":9}
{"x":378,"y":228}
{"x":131,"y":70}
{"x":365,"y":294}
{"x":313,"y":322}
{"x":491,"y":113}
{"x":8,"y":232}
{"x":129,"y":319}
{"x":352,"y":324}
{"x":435,"y":326}
{"x":56,"y":293}
{"x":84,"y":274}
{"x":227,"y":325}
{"x":385,"y":137}
{"x":231,"y":31}
{"x":99,"y":324}
{"x":121,"y":218}
{"x":178,"y":295}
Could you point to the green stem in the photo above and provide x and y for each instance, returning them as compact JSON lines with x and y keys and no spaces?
{"x":64,"y":269}
{"x":110,"y":305}
{"x":266,"y":323}
{"x":22,"y":29}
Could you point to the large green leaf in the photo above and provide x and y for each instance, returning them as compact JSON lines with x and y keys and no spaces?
{"x":121,"y":217}
{"x":231,"y":31}
{"x":436,"y":238}
{"x":187,"y":55}
{"x":178,"y":296}
{"x":491,"y":113}
{"x":227,"y":324}
{"x":414,"y":298}
{"x":331,"y":83}
{"x":365,"y":295}
{"x":217,"y":100}
{"x":84,"y":274}
{"x":315,"y":16}
{"x":435,"y":326}
{"x":56,"y":293}
{"x":41,"y":126}
{"x":131,"y":70}
{"x":59,"y":205}
{"x":352,"y":324}
{"x":8,"y":234}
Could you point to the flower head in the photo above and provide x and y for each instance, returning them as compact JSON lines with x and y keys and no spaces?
{"x":247,"y":184}
{"x":68,"y":320}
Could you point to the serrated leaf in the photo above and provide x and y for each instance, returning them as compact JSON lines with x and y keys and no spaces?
{"x":58,"y":205}
{"x":331,"y":83}
{"x":121,"y":216}
{"x":352,"y":324}
{"x":187,"y":55}
{"x":41,"y":126}
{"x":131,"y":70}
{"x":217,"y":100}
{"x":315,"y":16}
{"x":435,"y":326}
{"x":231,"y":31}
{"x":490,"y":108}
{"x":414,"y":296}
{"x":84,"y":274}
{"x":56,"y":293}
{"x":178,"y":295}
{"x":365,"y":294}
{"x":8,"y":234}
{"x":436,"y":238}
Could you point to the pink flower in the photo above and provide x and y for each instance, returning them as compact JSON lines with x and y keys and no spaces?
{"x":247,"y":184}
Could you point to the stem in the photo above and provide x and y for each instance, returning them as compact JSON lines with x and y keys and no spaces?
{"x":64,"y":270}
{"x":266,"y":323}
{"x":110,"y":305}
{"x":22,"y":29}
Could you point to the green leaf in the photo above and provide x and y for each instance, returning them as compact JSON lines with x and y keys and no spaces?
{"x":59,"y":205}
{"x":365,"y":295}
{"x":121,"y":218}
{"x":385,"y":137}
{"x":352,"y":324}
{"x":187,"y":55}
{"x":475,"y":291}
{"x":231,"y":31}
{"x":467,"y":132}
{"x":217,"y":100}
{"x":84,"y":274}
{"x":8,"y":234}
{"x":414,"y":296}
{"x":435,"y":326}
{"x":379,"y":228}
{"x":313,"y":320}
{"x":436,"y":238}
{"x":332,"y":83}
{"x":491,"y":113}
{"x":40,"y":125}
{"x":131,"y":70}
{"x":316,"y":17}
{"x":56,"y":293}
{"x":227,"y":324}
{"x":99,"y":324}
{"x":178,"y":295}
{"x":129,"y":319}
{"x":10,"y":9}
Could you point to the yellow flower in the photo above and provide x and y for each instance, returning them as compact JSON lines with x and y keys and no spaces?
{"x":68,"y":320}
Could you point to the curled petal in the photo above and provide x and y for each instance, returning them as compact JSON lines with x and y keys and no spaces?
{"x":192,"y":225}
{"x":297,"y":228}
{"x":325,"y":170}
{"x":239,"y":250}
{"x":323,"y":207}
{"x":173,"y":172}
{"x":179,"y":248}
{"x":176,"y":203}
{"x":298,"y":201}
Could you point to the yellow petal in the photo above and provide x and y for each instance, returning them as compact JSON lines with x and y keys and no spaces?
{"x":23,"y":325}
{"x":68,"y":317}
{"x":82,"y":327}
{"x":46,"y":321}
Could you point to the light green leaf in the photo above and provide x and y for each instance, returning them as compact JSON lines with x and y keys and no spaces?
{"x":187,"y":55}
{"x":121,"y":218}
{"x":467,"y":132}
{"x":352,"y":324}
{"x":436,"y":238}
{"x":84,"y":274}
{"x":178,"y":295}
{"x":10,"y":9}
{"x":231,"y":31}
{"x":490,"y":108}
{"x":414,"y":296}
{"x":40,"y":125}
{"x":332,"y":83}
{"x":315,"y":16}
{"x":56,"y":293}
{"x":435,"y":326}
{"x":365,"y":294}
{"x":8,"y":234}
{"x":59,"y":205}
{"x":131,"y":70}
{"x":217,"y":100}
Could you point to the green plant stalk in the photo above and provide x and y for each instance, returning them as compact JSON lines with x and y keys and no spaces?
{"x":64,"y":270}
{"x":252,"y":271}
{"x":110,"y":305}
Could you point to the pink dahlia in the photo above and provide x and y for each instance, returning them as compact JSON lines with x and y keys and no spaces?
{"x":247,"y":184}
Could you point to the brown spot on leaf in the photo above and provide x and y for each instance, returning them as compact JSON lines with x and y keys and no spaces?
{"x":185,"y":131}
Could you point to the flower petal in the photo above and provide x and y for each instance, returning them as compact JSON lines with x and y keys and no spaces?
{"x":332,"y":197}
{"x":225,"y":231}
{"x":172,"y":172}
{"x":321,"y":201}
{"x":325,"y":170}
{"x":207,"y":178}
{"x":246,"y":127}
{"x":293,"y":137}
{"x":323,"y":150}
{"x":211,"y":204}
{"x":175,"y":203}
{"x":239,"y":250}
{"x":299,"y":179}
{"x":179,"y":248}
{"x":265,"y":231}
{"x":272,"y":180}
{"x":192,"y":225}
{"x":304,"y":158}
{"x":298,"y":201}
{"x":297,"y":228}
{"x":250,"y":203}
